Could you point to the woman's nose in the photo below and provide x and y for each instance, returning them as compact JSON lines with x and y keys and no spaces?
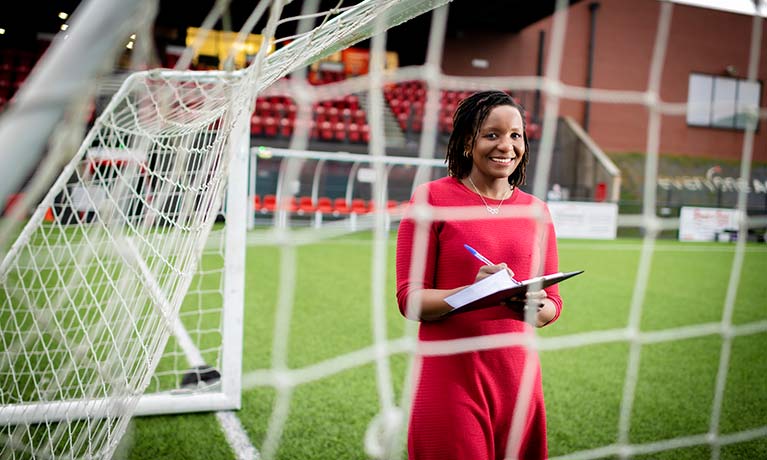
{"x":506,"y":145}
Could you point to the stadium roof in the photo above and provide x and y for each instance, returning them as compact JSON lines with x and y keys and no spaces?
{"x":502,"y":16}
{"x":41,"y":16}
{"x":492,"y":15}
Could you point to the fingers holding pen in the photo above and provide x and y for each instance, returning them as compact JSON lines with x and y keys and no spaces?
{"x":487,"y":270}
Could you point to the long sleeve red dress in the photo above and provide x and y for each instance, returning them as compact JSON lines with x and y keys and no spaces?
{"x":464,"y":403}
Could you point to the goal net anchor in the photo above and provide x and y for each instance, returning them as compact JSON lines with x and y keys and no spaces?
{"x":203,"y":376}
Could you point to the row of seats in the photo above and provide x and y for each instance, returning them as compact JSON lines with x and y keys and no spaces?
{"x":305,"y":205}
{"x":271,"y":127}
{"x":407,"y":101}
{"x":347,"y":107}
{"x":320,"y":114}
{"x":334,"y":120}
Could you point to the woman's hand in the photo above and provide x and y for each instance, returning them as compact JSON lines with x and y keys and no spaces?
{"x":487,"y":270}
{"x":535,"y":297}
{"x":545,"y":309}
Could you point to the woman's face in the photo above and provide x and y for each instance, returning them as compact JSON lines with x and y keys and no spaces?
{"x":500,"y":143}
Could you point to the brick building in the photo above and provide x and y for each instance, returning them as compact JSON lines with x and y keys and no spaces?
{"x":611,"y":42}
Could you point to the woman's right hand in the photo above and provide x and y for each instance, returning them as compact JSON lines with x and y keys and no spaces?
{"x":487,"y":270}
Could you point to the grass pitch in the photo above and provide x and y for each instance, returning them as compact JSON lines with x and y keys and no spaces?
{"x":583,"y":385}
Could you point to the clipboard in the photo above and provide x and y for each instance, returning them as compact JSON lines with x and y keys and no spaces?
{"x":499,"y":286}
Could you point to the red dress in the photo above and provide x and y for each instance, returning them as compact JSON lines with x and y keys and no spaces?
{"x":464,"y":403}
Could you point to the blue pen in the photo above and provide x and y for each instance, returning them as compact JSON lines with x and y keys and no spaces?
{"x":479,"y":256}
{"x":484,"y":259}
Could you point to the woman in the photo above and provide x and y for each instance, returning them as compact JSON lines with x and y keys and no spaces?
{"x":464,"y":403}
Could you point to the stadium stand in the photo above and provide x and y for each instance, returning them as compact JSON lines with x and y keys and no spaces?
{"x":339,"y":120}
{"x":407,"y":100}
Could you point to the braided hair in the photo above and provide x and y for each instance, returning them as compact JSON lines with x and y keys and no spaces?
{"x":467,"y":119}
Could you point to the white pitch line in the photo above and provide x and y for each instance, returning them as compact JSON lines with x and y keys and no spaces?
{"x":233,"y":431}
{"x":236,"y":436}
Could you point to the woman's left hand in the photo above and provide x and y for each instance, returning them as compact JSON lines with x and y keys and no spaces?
{"x":536,"y":297}
{"x":545,"y":309}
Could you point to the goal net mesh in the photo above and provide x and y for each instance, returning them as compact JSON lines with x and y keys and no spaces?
{"x":93,"y":287}
{"x":287,"y":374}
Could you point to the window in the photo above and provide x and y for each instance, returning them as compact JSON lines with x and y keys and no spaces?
{"x":722,"y":102}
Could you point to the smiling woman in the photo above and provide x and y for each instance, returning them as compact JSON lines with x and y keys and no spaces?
{"x":487,"y":156}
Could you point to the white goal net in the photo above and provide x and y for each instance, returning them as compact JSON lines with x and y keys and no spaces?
{"x":94,"y":286}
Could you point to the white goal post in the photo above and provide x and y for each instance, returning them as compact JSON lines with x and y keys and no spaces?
{"x":124,"y":252}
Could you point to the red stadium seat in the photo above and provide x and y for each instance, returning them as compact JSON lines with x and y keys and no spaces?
{"x":270,"y":203}
{"x":334,"y":115}
{"x":320,"y":114}
{"x":341,"y":207}
{"x":279,"y":108}
{"x":306,"y":205}
{"x":395,"y":105}
{"x":291,"y":110}
{"x":360,"y":117}
{"x":264,"y":108}
{"x":354,"y":133}
{"x":256,"y":128}
{"x":402,"y":119}
{"x":339,"y":132}
{"x":286,"y":127}
{"x":324,"y":205}
{"x":351,"y":102}
{"x":270,"y":127}
{"x":326,"y":131}
{"x":359,"y":206}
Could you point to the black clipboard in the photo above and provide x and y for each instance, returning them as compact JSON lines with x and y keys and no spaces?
{"x":498,"y":288}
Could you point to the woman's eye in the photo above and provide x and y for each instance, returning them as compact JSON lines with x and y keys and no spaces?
{"x":491,"y":136}
{"x":515,"y":135}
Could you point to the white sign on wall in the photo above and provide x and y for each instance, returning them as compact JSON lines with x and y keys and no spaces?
{"x":703,"y":224}
{"x":584,"y":220}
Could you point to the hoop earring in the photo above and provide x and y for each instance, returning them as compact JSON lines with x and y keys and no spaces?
{"x":466,"y":153}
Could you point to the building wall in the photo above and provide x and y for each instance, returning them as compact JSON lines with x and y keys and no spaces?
{"x":700,"y":40}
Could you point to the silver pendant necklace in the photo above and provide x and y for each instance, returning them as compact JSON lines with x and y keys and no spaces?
{"x":490,"y":209}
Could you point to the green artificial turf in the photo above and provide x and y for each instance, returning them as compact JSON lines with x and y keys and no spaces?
{"x":331,"y":294}
{"x":584,"y":385}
